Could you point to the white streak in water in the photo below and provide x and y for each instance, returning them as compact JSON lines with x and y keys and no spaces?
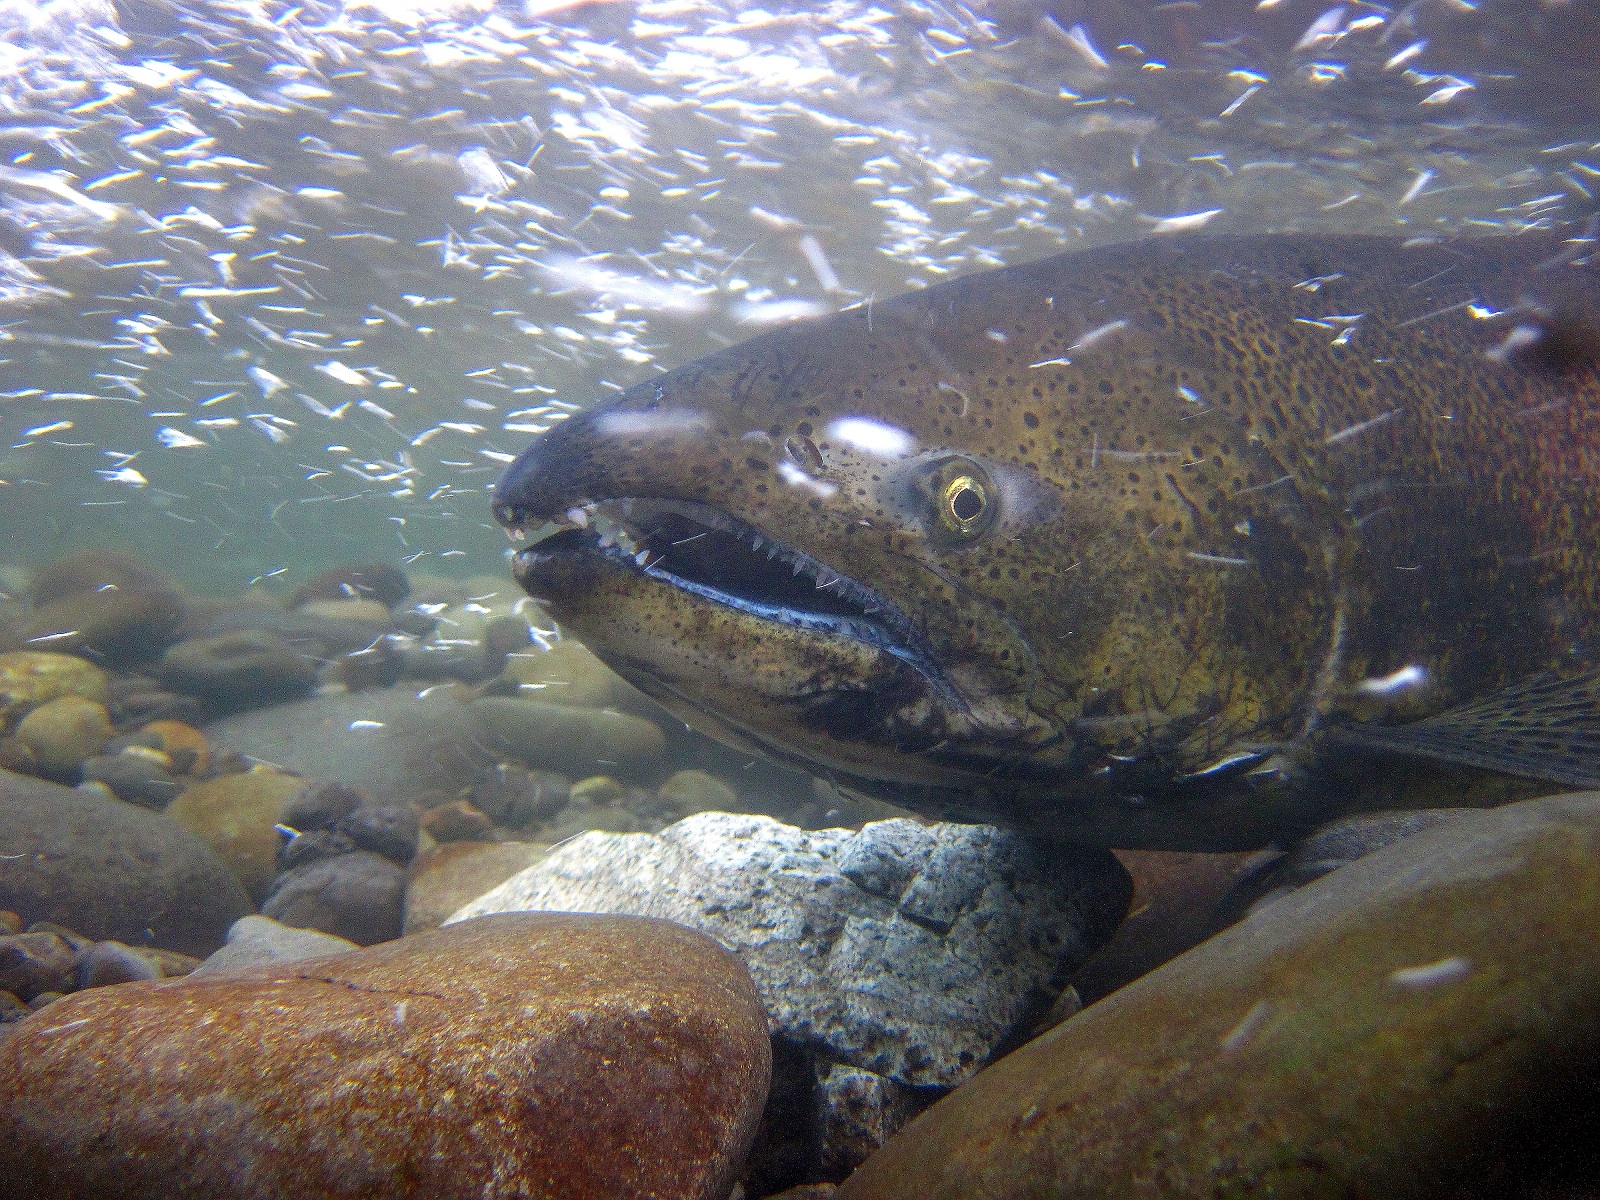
{"x":1446,"y":970}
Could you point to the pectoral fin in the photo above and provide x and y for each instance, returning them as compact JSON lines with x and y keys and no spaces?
{"x":1547,"y":728}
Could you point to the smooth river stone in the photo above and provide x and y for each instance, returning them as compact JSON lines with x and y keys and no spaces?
{"x":551,"y":1055}
{"x":1411,"y":1025}
{"x":107,"y":869}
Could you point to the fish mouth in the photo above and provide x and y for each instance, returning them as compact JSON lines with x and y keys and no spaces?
{"x":722,"y":560}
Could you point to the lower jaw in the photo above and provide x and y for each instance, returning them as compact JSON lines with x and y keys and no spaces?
{"x":807,"y":699}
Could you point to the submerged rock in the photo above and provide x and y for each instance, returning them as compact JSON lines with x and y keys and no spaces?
{"x":104,"y":605}
{"x":29,"y":678}
{"x":107,"y":869}
{"x":557,"y":1056}
{"x":1420,"y":1023}
{"x":255,"y":940}
{"x":359,"y":896}
{"x":907,"y":950}
{"x":574,"y":741}
{"x":1178,"y":902}
{"x":63,"y":732}
{"x":133,"y":778}
{"x":381,"y":583}
{"x":237,"y":816}
{"x":396,"y":743}
{"x":458,"y":821}
{"x":245,"y":669}
{"x":444,"y":878}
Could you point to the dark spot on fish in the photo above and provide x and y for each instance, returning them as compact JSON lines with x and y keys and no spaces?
{"x":1564,"y":343}
{"x":1031,"y":419}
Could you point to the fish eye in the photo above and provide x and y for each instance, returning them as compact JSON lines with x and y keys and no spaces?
{"x":964,"y":500}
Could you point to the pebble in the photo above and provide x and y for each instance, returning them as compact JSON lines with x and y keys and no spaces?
{"x":1416,"y":1024}
{"x":246,"y":669}
{"x":359,"y":896}
{"x":16,"y":757}
{"x":312,"y":845}
{"x":31,"y":963}
{"x":445,"y":877}
{"x":1333,"y":846}
{"x":133,"y":778}
{"x":63,"y":732}
{"x":590,"y":1058}
{"x":514,"y":796}
{"x":695,"y":791}
{"x":255,"y":940}
{"x":29,"y":678}
{"x":387,"y":829}
{"x":320,"y":805}
{"x":135,"y":698}
{"x":237,"y":816}
{"x":458,"y":821}
{"x":12,"y":1009}
{"x":176,"y":737}
{"x":111,"y":870}
{"x":568,"y":673}
{"x":858,"y":1111}
{"x":107,"y":963}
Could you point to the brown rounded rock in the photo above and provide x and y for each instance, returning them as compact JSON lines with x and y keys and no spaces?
{"x":358,"y":896}
{"x":176,"y":736}
{"x":1420,"y":1023}
{"x":111,"y":870}
{"x":446,"y":877}
{"x":458,"y":821}
{"x":237,"y":815}
{"x":29,"y":678}
{"x":248,"y":668}
{"x":121,"y":626}
{"x":573,"y":741}
{"x":530,"y":1055}
{"x":381,"y":583}
{"x":65,"y":731}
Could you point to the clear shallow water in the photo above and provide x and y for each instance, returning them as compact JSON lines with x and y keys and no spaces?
{"x":285,"y":285}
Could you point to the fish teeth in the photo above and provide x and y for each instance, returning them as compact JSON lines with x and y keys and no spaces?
{"x":578,"y":517}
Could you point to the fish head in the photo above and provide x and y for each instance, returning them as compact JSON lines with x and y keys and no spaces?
{"x":789,"y":561}
{"x":881,"y":545}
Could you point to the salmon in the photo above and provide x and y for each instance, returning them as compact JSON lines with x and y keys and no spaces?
{"x":1187,"y":543}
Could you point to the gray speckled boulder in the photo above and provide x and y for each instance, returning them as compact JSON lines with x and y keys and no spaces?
{"x":908,"y":950}
{"x":110,"y":870}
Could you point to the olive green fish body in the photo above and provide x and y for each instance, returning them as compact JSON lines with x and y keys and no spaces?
{"x":1106,"y":545}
